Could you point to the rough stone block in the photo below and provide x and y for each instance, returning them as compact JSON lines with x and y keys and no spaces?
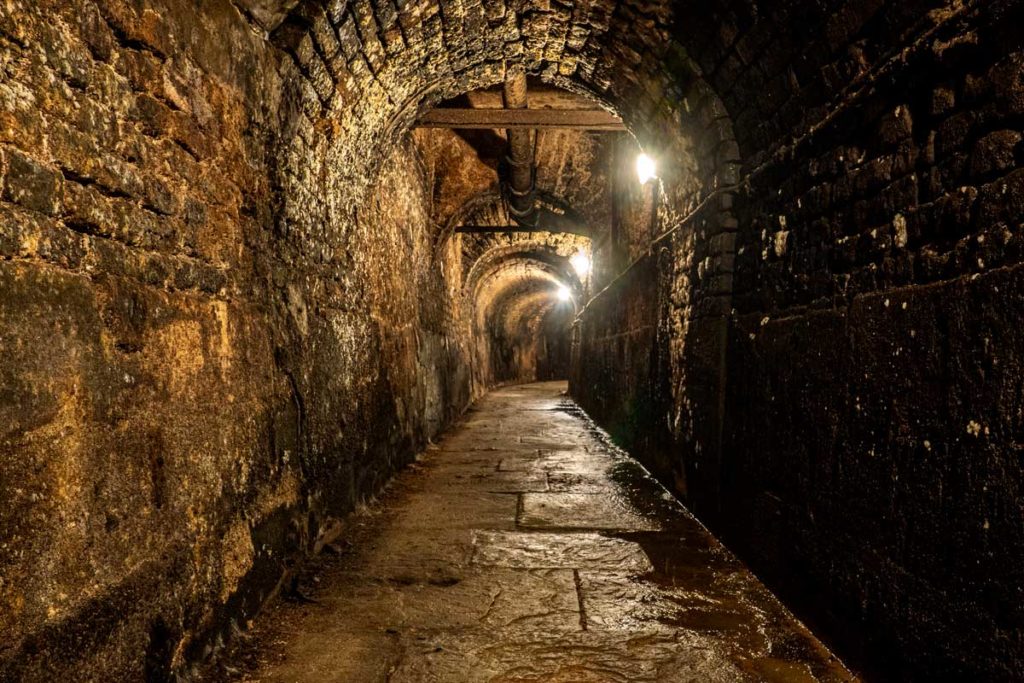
{"x":579,"y":510}
{"x":31,"y":184}
{"x":997,"y":151}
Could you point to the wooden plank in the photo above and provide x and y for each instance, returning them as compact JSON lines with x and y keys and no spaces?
{"x":498,"y":228}
{"x":579,"y":119}
{"x":507,"y":229}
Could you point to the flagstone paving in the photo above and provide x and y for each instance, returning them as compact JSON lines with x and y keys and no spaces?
{"x":525,"y":548}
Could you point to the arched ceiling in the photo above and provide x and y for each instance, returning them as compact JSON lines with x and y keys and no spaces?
{"x":374,"y":68}
{"x":514,"y":277}
{"x":502,"y":274}
{"x":377,"y":66}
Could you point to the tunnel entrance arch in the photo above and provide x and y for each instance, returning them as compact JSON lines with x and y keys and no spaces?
{"x":378,"y":69}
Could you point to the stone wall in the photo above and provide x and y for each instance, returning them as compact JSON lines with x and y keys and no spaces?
{"x":554,"y":344}
{"x":874,"y":389}
{"x":214,"y":346}
{"x":141,"y":398}
{"x":650,"y":344}
{"x":844,"y":403}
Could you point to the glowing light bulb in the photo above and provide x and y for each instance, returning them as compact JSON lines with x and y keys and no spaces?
{"x":580,"y":263}
{"x":646,"y":169}
{"x":563,"y":293}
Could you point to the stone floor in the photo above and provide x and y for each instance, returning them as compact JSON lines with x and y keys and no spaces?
{"x":525,"y":548}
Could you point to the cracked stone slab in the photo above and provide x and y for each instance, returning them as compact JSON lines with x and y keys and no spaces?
{"x":491,"y":481}
{"x":505,"y":601}
{"x":573,"y":482}
{"x":481,"y":438}
{"x":578,"y":462}
{"x":580,"y":657}
{"x":489,"y":457}
{"x":619,"y":602}
{"x":419,"y":550}
{"x":550,"y":443}
{"x":594,"y":551}
{"x":581,"y":511}
{"x":335,"y":654}
{"x":458,"y":509}
{"x":745,"y":622}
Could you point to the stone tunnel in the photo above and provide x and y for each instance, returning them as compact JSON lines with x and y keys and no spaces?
{"x":511,"y":340}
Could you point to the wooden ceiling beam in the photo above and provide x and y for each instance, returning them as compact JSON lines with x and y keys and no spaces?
{"x":577,"y":119}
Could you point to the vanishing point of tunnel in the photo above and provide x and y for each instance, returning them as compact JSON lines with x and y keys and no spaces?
{"x":511,"y":340}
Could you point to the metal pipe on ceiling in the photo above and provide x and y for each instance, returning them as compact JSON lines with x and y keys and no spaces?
{"x":522,"y":172}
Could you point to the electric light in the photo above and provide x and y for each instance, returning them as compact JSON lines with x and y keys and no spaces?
{"x":580,"y":263}
{"x":563,"y":293}
{"x":646,"y":169}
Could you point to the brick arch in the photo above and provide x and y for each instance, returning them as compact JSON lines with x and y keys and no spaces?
{"x":489,"y":201}
{"x":501,"y":269}
{"x":364,"y":72}
{"x":521,"y":304}
{"x":509,"y":298}
{"x":379,"y":66}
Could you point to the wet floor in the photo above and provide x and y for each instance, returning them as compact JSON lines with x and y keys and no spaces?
{"x":525,"y":548}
